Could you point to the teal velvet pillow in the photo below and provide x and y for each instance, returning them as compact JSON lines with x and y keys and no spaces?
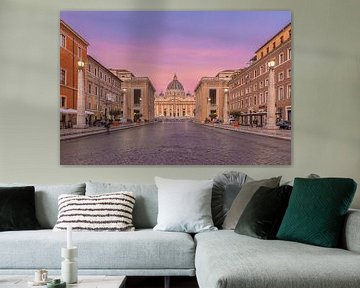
{"x":316,"y":211}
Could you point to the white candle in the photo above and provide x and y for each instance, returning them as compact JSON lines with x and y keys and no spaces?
{"x":69,"y":240}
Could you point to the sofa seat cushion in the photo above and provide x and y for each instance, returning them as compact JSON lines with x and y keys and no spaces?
{"x":142,"y":249}
{"x":225,"y":259}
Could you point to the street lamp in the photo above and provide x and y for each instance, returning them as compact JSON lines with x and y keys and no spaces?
{"x":80,"y":115}
{"x":226,"y":108}
{"x":124,"y":90}
{"x":209,"y":109}
{"x":271,"y":109}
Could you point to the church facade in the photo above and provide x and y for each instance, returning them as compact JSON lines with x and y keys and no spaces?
{"x":174,"y":103}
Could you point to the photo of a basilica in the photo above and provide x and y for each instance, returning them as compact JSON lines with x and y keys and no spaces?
{"x":181,"y":94}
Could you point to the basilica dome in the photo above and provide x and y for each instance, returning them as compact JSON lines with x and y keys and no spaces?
{"x":175,"y":84}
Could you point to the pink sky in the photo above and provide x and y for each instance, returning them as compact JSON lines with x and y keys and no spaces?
{"x":191,"y":44}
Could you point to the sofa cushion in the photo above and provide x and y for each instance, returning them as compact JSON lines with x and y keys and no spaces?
{"x":225,"y":189}
{"x":317,"y":210}
{"x":243,"y":198}
{"x":225,"y":259}
{"x":184,"y":205}
{"x":138,"y":250}
{"x":17,"y":208}
{"x":146,"y":205}
{"x":263,"y":215}
{"x":46,"y":200}
{"x":105,"y":212}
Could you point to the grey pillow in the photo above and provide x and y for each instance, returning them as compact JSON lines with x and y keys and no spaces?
{"x":184,"y":205}
{"x":46,"y":200}
{"x":225,"y":189}
{"x":243,"y":198}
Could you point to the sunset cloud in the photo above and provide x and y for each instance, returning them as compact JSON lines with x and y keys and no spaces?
{"x":192,"y":44}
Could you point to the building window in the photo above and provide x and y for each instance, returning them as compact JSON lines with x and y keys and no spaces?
{"x":290,"y":33}
{"x":289,"y":91}
{"x":255,"y":100}
{"x":281,"y":93}
{"x":96,"y":90}
{"x":261,"y":100}
{"x":212,"y":96}
{"x":255,"y":73}
{"x":281,"y":39}
{"x":101,"y":75}
{"x":288,"y":73}
{"x":281,"y":58}
{"x":267,"y":50}
{"x":262,"y":54}
{"x":266,"y":82}
{"x":89,"y":67}
{"x":274,"y":45}
{"x":79,"y":52}
{"x":261,"y":84}
{"x":89,"y":89}
{"x":95,"y":72}
{"x":289,"y":54}
{"x":266,"y":96}
{"x":63,"y":40}
{"x":137,"y":96}
{"x":63,"y":102}
{"x":255,"y":87}
{"x":62,"y":76}
{"x":281,"y":76}
{"x":261,"y":69}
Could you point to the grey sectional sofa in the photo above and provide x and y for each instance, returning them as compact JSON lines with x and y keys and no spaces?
{"x":219,"y":259}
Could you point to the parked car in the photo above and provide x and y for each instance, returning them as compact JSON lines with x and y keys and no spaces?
{"x":283,"y":124}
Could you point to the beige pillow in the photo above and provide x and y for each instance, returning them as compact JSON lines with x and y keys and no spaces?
{"x":243,"y":198}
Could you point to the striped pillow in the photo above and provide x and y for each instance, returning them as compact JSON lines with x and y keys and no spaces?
{"x":105,"y":212}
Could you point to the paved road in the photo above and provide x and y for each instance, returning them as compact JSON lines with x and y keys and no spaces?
{"x":175,"y":143}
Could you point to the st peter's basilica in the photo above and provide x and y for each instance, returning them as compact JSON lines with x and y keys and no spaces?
{"x":175,"y":103}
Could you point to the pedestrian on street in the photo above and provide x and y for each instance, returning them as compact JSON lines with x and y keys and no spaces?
{"x":107,"y":126}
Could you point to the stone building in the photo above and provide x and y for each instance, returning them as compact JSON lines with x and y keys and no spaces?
{"x":139,"y":95}
{"x":211,"y":97}
{"x":104,"y":94}
{"x":73,"y":48}
{"x":174,"y":103}
{"x":249,"y":89}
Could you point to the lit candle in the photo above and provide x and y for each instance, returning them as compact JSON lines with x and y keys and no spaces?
{"x":69,"y":240}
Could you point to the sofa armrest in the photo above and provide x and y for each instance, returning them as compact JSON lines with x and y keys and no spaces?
{"x":351,"y":234}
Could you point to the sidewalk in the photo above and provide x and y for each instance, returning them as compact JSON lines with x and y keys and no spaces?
{"x":278,"y":133}
{"x":71,"y":133}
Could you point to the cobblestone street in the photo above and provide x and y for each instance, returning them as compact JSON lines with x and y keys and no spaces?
{"x":175,"y":143}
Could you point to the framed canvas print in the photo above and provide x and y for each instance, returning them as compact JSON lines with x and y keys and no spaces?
{"x":175,"y":87}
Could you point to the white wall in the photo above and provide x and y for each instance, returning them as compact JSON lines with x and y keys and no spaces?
{"x":326,"y":89}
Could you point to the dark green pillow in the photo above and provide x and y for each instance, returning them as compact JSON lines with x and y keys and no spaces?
{"x":316,"y":211}
{"x":263,"y":214}
{"x":17,"y":208}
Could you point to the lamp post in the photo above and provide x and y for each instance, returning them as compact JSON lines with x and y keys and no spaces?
{"x":124,"y":92}
{"x":226,"y":108}
{"x":271,"y":109}
{"x":80,"y":115}
{"x":208,"y":106}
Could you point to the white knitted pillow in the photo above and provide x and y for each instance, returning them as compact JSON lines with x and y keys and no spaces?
{"x":105,"y":212}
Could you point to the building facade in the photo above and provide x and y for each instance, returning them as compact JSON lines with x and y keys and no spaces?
{"x":104,"y":94}
{"x":211,"y":95}
{"x":73,"y":48}
{"x":249,"y":89}
{"x":139,"y":94}
{"x":174,"y":103}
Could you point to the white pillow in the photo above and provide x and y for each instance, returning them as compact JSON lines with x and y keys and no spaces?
{"x":184,"y":205}
{"x":104,"y":212}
